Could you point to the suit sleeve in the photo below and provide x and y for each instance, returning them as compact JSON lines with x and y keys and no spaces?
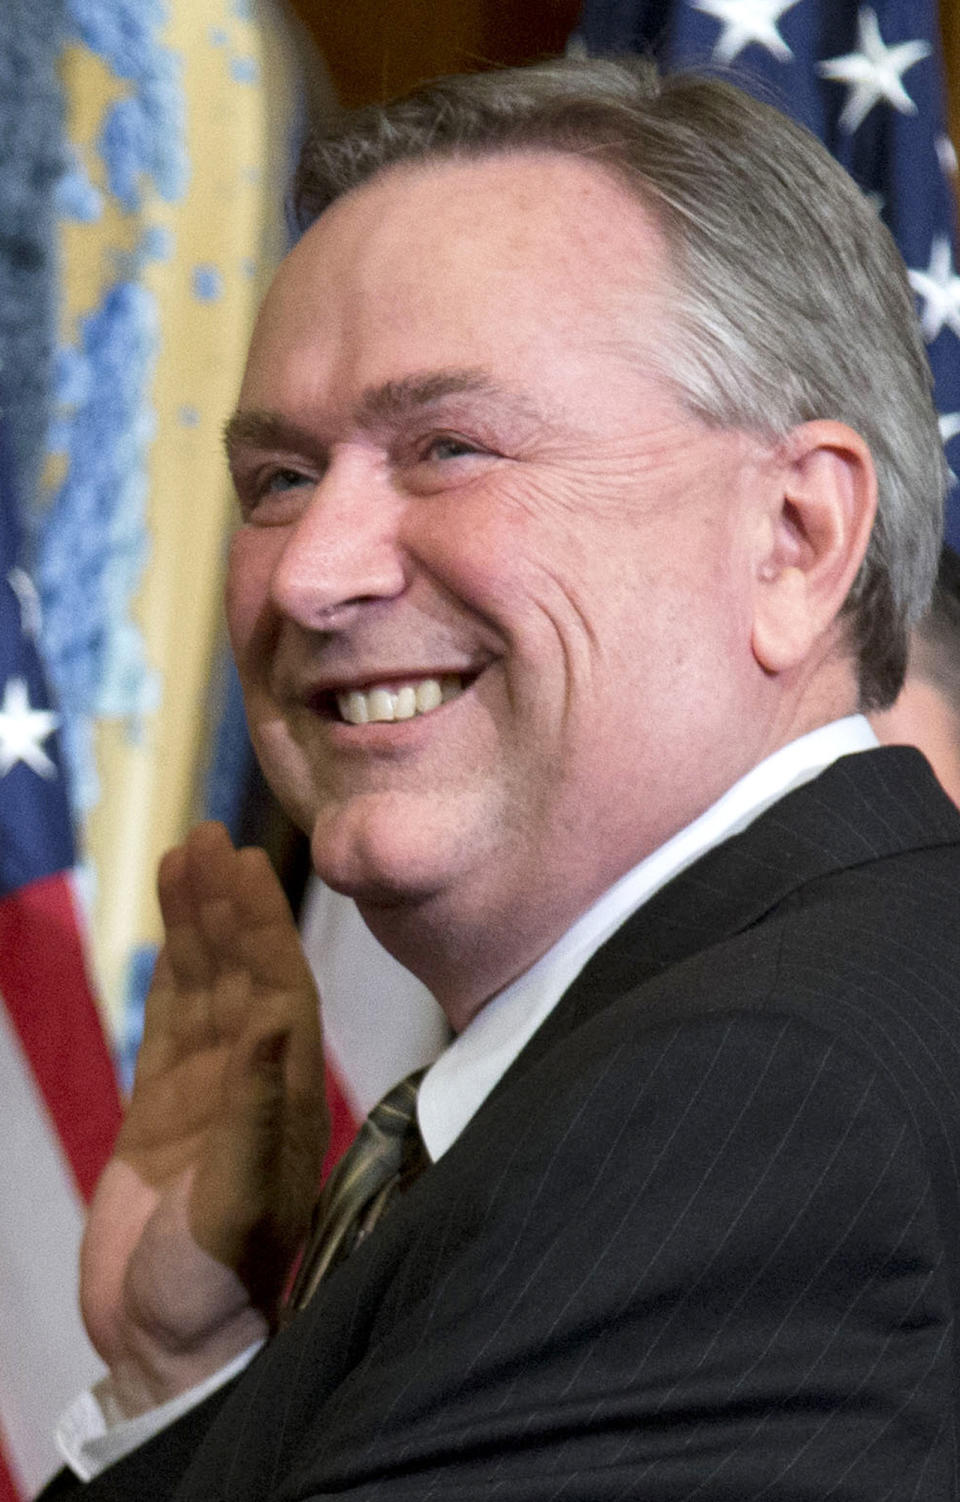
{"x":151,"y":1472}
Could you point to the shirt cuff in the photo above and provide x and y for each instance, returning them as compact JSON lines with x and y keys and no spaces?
{"x":90,"y":1437}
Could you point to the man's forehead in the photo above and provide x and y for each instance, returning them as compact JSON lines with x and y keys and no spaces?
{"x":547,"y":225}
{"x":443,"y":277}
{"x":510,"y":204}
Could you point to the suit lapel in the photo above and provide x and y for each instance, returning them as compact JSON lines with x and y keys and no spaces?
{"x":861,"y":809}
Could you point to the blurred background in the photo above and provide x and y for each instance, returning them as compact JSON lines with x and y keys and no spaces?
{"x":145,"y":151}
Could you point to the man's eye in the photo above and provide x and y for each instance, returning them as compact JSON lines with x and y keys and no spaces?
{"x":448,"y":446}
{"x":268,"y":495}
{"x":284,"y":479}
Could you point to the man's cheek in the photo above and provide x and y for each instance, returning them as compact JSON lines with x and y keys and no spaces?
{"x":247,"y":592}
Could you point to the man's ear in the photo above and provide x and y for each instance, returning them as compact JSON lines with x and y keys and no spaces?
{"x":814,"y":536}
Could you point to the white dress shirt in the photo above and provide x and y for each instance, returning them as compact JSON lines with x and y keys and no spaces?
{"x":457,"y":1084}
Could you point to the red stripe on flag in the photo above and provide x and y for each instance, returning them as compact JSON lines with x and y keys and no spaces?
{"x":8,"y":1490}
{"x":43,"y":980}
{"x":343,"y":1123}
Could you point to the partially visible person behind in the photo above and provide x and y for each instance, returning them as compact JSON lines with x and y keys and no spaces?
{"x":927,"y":710}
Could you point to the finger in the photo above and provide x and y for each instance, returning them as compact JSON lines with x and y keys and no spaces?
{"x":176,"y":1023}
{"x":223,"y":914}
{"x":251,"y":937}
{"x":305,"y":1064}
{"x":159,"y":1005}
{"x":215,"y":872}
{"x":187,"y":952}
{"x":244,"y":877}
{"x":211,"y":862}
{"x":259,"y":1179}
{"x":247,"y":922}
{"x":211,"y":874}
{"x":275,"y":1078}
{"x":180,"y":1004}
{"x":269,"y":940}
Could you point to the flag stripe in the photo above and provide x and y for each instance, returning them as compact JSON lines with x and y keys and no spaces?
{"x":59,"y":1105}
{"x":8,"y":1491}
{"x":44,"y":981}
{"x":45,"y":1357}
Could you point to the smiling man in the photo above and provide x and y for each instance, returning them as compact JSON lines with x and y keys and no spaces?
{"x":487,"y":443}
{"x":589,"y":485}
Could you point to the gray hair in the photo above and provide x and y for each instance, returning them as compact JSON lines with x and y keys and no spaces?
{"x":792,"y":300}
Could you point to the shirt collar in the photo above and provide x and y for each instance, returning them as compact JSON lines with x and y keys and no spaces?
{"x":465,"y":1073}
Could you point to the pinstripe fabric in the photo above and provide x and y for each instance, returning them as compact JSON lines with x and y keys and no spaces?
{"x":702,"y":1241}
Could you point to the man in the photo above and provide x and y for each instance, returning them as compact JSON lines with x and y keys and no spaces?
{"x":927,"y":709}
{"x":589,"y":483}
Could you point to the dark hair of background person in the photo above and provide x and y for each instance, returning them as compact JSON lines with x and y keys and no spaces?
{"x":927,"y":712}
{"x":935,"y":648}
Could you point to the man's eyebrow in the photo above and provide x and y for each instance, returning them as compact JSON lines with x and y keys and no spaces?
{"x":395,"y":399}
{"x":258,"y":427}
{"x":263,"y":428}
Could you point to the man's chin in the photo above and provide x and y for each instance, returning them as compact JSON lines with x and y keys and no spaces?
{"x":378,"y":873}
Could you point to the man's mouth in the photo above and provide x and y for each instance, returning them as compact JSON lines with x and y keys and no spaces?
{"x":380,"y":704}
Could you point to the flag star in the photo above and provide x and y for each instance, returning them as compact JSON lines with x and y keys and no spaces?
{"x":939,"y":286}
{"x":26,"y":592}
{"x":746,"y":21}
{"x":949,"y":428}
{"x":946,"y":156}
{"x":23,"y":729}
{"x":874,"y":72}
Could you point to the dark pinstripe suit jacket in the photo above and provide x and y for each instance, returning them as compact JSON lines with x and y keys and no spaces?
{"x":703,"y":1240}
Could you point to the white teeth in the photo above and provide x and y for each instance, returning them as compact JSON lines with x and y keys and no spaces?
{"x":429,"y":695}
{"x":382,"y":705}
{"x":405,"y":703}
{"x":353,"y":707}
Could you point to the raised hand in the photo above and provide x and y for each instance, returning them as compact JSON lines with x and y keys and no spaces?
{"x":200,"y":1211}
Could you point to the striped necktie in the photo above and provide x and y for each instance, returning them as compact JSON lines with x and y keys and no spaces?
{"x":386,"y":1154}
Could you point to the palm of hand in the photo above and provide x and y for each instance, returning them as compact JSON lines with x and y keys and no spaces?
{"x":198,"y":1215}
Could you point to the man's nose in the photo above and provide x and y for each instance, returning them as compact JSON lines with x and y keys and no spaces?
{"x":344,"y":548}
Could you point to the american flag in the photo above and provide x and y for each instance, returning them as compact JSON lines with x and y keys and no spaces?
{"x":59,"y":1107}
{"x":866,"y":79}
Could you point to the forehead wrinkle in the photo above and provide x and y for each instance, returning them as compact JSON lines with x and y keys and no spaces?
{"x":391,"y":401}
{"x":380,"y":405}
{"x":383,"y":404}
